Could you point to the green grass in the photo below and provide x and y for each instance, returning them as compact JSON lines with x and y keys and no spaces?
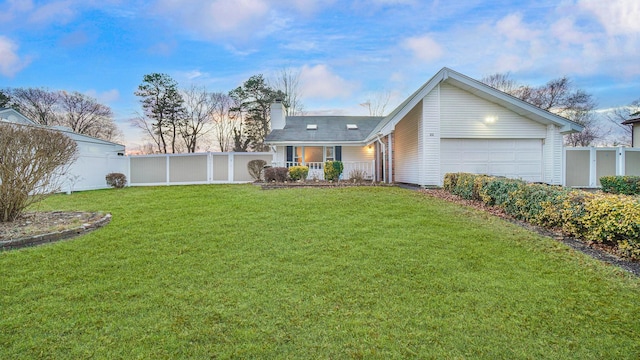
{"x":236,"y":272}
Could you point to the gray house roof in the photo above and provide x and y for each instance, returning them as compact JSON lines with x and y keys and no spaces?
{"x":330,"y":129}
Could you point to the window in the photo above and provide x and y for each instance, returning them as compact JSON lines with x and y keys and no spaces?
{"x":297,"y":159}
{"x":329,"y":153}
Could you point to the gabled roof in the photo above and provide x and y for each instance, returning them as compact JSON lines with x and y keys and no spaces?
{"x":481,"y":90}
{"x":330,"y":129}
{"x":633,"y":119}
{"x":14,"y":116}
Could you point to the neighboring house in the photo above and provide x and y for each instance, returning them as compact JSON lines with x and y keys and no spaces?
{"x":96,"y":157}
{"x":451,"y":124}
{"x":634,"y":121}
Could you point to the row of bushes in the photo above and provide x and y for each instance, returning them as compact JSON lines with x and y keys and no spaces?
{"x":332,"y":172}
{"x":612,"y":219}
{"x":629,"y":185}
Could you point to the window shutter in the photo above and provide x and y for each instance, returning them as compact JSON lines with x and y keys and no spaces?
{"x":338,"y":153}
{"x":289,"y":155}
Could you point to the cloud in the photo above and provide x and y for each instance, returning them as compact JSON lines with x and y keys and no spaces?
{"x":320,"y":82}
{"x":618,"y":17}
{"x":423,"y":47}
{"x":105,"y":97}
{"x":10,"y":62}
{"x":512,"y":27}
{"x":13,"y":8}
{"x":57,"y":11}
{"x":236,"y":20}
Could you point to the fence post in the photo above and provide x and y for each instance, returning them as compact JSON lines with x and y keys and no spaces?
{"x":620,"y":163}
{"x":593,"y":181}
{"x":231,"y":166}
{"x":168,"y":172}
{"x":209,"y":167}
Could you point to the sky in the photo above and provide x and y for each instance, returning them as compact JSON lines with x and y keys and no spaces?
{"x":346,"y":52}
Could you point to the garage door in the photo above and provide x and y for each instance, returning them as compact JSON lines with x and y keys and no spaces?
{"x":514,"y":158}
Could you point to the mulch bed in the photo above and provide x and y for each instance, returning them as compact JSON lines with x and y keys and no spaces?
{"x":37,"y":228}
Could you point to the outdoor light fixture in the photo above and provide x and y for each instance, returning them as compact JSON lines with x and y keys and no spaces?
{"x":490,"y":119}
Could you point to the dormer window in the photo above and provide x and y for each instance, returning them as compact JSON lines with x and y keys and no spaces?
{"x":312,"y":126}
{"x":352,"y":127}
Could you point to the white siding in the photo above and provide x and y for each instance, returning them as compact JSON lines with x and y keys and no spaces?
{"x":552,"y":156}
{"x":636,"y":136}
{"x":406,"y":147}
{"x":431,"y":138}
{"x":357,"y":153}
{"x":464,"y":116}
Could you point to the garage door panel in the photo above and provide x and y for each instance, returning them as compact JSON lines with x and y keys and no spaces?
{"x":515,"y":158}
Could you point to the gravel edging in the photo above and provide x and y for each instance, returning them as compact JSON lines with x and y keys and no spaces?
{"x":54,"y":236}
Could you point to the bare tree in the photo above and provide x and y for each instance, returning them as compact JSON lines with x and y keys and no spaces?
{"x":502,"y":82}
{"x":621,"y":114}
{"x":223,"y":121}
{"x":198,"y":111}
{"x":32,"y":164}
{"x":38,"y":104}
{"x":377,"y":103}
{"x":287,"y":81}
{"x":84,"y":115}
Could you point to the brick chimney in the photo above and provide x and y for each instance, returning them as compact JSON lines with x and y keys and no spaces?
{"x":277,"y":115}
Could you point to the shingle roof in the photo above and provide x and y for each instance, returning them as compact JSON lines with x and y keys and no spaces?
{"x":330,"y":129}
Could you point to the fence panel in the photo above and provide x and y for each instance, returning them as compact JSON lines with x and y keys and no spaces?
{"x":148,"y":169}
{"x":577,"y":167}
{"x":220,"y":166}
{"x":190,"y":169}
{"x":585,"y":166}
{"x":632,"y":162}
{"x":88,"y":171}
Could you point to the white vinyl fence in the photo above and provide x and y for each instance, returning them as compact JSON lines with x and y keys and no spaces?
{"x":584,"y":166}
{"x":88,"y":171}
{"x":198,"y":168}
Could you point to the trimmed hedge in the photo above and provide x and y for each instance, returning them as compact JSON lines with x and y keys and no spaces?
{"x":333,"y":170}
{"x":298,"y":173}
{"x":277,"y":174}
{"x":595,"y":217}
{"x":629,"y":185}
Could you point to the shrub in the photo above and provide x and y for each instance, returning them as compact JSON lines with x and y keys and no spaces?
{"x":255,"y":168}
{"x":33,"y":161}
{"x":298,"y":173}
{"x":277,"y":174}
{"x":604,"y":218}
{"x":116,"y":180}
{"x":357,"y":175}
{"x":333,"y":170}
{"x":628,"y":185}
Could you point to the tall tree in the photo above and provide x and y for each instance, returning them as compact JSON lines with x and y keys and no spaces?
{"x":223,"y":122}
{"x":163,"y":106}
{"x":287,"y":82}
{"x":198,"y":111}
{"x":38,"y":104}
{"x":560,"y":97}
{"x":254,"y":100}
{"x":84,"y":115}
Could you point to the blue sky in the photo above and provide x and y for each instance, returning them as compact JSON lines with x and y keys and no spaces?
{"x":346,"y":51}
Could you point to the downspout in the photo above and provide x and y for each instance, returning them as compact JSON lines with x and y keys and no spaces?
{"x":390,"y":172}
{"x":384,"y":154}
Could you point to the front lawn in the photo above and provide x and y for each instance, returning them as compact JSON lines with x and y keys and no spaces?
{"x":230,"y":271}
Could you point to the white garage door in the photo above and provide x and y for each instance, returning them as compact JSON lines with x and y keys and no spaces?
{"x":514,"y":158}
